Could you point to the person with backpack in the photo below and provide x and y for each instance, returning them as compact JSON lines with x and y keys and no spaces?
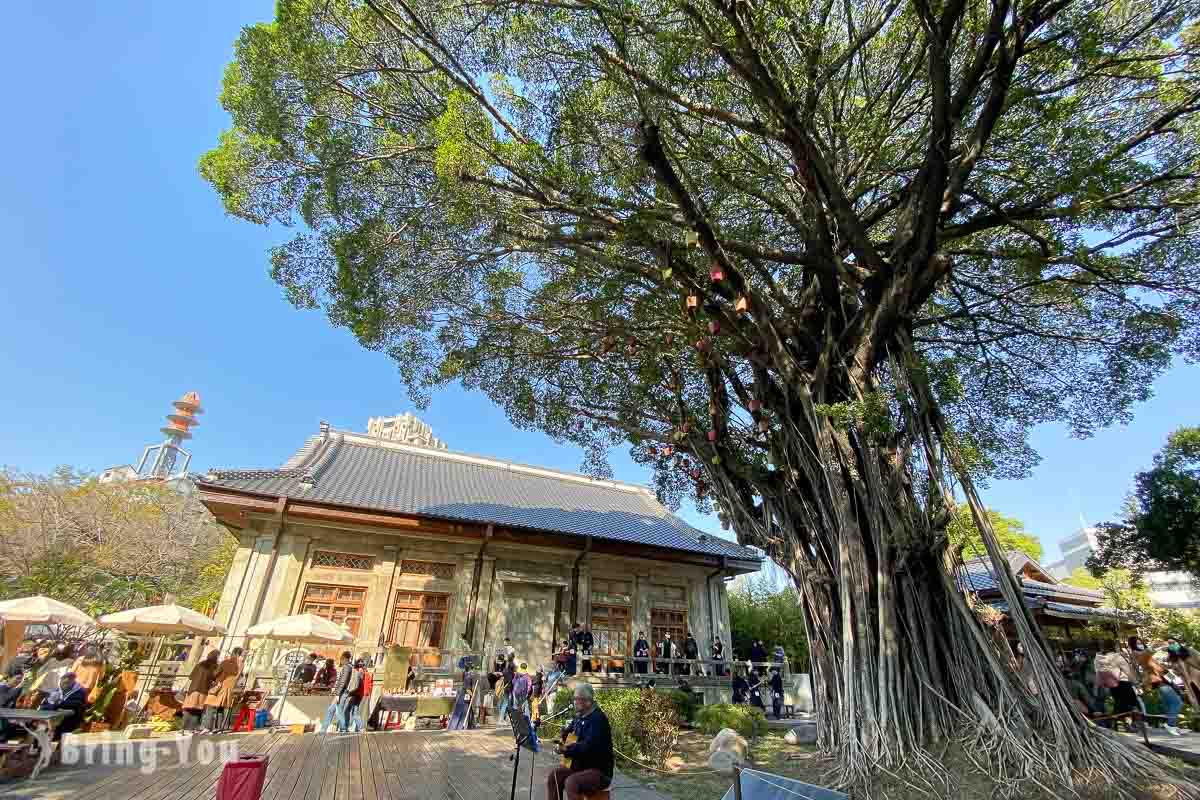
{"x":522,"y":689}
{"x":356,"y":711}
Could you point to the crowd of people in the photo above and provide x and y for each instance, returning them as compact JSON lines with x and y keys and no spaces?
{"x":52,"y":676}
{"x":1125,"y":677}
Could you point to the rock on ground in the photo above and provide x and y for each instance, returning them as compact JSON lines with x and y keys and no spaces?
{"x":801,"y":734}
{"x":726,"y":750}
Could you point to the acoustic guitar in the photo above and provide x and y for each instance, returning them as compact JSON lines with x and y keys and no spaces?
{"x":571,"y":739}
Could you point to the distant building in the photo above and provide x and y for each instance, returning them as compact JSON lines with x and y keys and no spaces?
{"x":405,"y":429}
{"x":1167,"y":589}
{"x":166,"y":461}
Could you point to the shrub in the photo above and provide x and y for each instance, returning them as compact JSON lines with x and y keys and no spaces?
{"x":686,"y":704}
{"x":746,"y":720}
{"x":655,"y":727}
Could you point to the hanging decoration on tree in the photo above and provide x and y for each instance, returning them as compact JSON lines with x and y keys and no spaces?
{"x":716,"y":273}
{"x":630,"y":345}
{"x":693,"y":303}
{"x":607,"y":344}
{"x":755,"y":405}
{"x":703,"y":345}
{"x":714,"y":327}
{"x":742,"y":305}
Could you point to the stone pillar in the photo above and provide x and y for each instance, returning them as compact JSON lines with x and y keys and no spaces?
{"x":458,"y":620}
{"x":243,"y":612}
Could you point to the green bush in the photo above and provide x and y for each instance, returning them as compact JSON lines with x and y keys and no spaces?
{"x":746,"y":720}
{"x":686,"y":704}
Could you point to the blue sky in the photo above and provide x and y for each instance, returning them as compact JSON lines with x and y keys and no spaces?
{"x":125,"y":285}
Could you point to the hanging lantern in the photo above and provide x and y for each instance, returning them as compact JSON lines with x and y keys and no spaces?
{"x":742,"y":305}
{"x":693,"y":239}
{"x":696,"y":474}
{"x":668,"y":451}
{"x":714,"y":327}
{"x":686,"y":427}
{"x":703,"y":345}
{"x":716,"y":460}
{"x":607,"y":344}
{"x":666,"y":274}
{"x":693,"y":302}
{"x":685,"y":465}
{"x":713,"y":410}
{"x":716,"y":273}
{"x":763,"y":426}
{"x":755,"y":405}
{"x":631,"y":345}
{"x":712,"y":436}
{"x":669,"y":339}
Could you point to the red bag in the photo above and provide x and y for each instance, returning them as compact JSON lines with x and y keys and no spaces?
{"x":243,"y":778}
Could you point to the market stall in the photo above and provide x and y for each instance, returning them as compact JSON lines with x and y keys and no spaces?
{"x":299,"y":629}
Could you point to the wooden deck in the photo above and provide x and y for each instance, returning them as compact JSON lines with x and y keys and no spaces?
{"x":374,"y":766}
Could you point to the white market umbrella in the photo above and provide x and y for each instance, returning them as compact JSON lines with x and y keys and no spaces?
{"x":43,"y":609}
{"x":301,"y":629}
{"x":38,"y":609}
{"x":161,"y":621}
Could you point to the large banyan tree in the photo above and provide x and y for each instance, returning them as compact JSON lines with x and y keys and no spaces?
{"x":822,"y":263}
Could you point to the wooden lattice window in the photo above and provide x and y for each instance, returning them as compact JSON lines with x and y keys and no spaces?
{"x":419,"y":622}
{"x":432,"y":568}
{"x":669,"y":620}
{"x":610,"y":629}
{"x":329,"y":559}
{"x":340,"y":604}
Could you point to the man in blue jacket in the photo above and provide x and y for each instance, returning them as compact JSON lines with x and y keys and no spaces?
{"x":591,"y":754}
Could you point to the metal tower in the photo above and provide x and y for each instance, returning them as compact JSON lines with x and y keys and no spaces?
{"x":162,"y":460}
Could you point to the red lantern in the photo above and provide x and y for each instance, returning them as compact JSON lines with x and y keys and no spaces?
{"x":712,"y":436}
{"x":716,"y":273}
{"x":667,"y":451}
{"x":693,"y":302}
{"x":686,"y":427}
{"x":714,"y":327}
{"x":696,"y":474}
{"x":755,"y":405}
{"x":703,"y":345}
{"x":763,"y":426}
{"x":669,"y":339}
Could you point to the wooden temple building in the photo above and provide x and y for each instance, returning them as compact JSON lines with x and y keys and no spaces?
{"x":1060,"y":609}
{"x":408,"y":543}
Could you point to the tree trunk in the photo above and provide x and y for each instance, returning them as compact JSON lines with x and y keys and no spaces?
{"x":901,"y":660}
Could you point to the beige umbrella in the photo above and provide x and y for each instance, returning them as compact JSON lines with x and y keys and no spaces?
{"x":161,"y":620}
{"x":26,"y":610}
{"x":300,"y":629}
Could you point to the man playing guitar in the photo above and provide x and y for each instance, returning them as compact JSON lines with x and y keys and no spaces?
{"x":588,"y":759}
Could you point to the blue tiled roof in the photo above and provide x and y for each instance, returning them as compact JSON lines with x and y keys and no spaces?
{"x":1070,"y":611}
{"x":977,"y":576}
{"x":359,"y":471}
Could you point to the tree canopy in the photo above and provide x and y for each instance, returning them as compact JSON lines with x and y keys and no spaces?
{"x":108,"y":546}
{"x":1010,"y":534}
{"x":822,"y":263}
{"x":759,"y":610}
{"x":1162,"y":525}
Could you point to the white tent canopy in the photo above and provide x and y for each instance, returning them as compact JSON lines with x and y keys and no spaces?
{"x":161,"y":620}
{"x":301,"y":628}
{"x":42,"y":609}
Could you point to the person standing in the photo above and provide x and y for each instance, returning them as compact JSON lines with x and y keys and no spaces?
{"x":200,"y":681}
{"x":755,"y":694}
{"x":306,"y":672}
{"x":1154,"y":678}
{"x":741,"y":688}
{"x":340,"y":694}
{"x":1185,"y":661}
{"x":667,"y":652}
{"x":777,"y":692}
{"x":641,"y":653}
{"x":591,"y":754}
{"x":357,"y":691}
{"x":691,"y":651}
{"x":506,"y":689}
{"x":586,"y":642}
{"x":536,"y":688}
{"x":1114,"y":671}
{"x":220,"y":694}
{"x":522,"y":689}
{"x":718,"y":656}
{"x":758,"y":657}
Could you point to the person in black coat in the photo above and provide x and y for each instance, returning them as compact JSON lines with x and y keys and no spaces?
{"x":718,"y":655}
{"x":641,"y":653}
{"x":69,"y":696}
{"x":758,"y":655}
{"x":755,"y":695}
{"x":741,"y":688}
{"x":667,"y":650}
{"x":776,"y":692}
{"x":691,"y":651}
{"x":591,"y":755}
{"x":584,"y":645}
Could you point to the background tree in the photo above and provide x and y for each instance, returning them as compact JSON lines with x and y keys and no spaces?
{"x":822,"y":262}
{"x":1161,"y":530}
{"x":1010,"y":534}
{"x":108,"y":546}
{"x":759,"y":610}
